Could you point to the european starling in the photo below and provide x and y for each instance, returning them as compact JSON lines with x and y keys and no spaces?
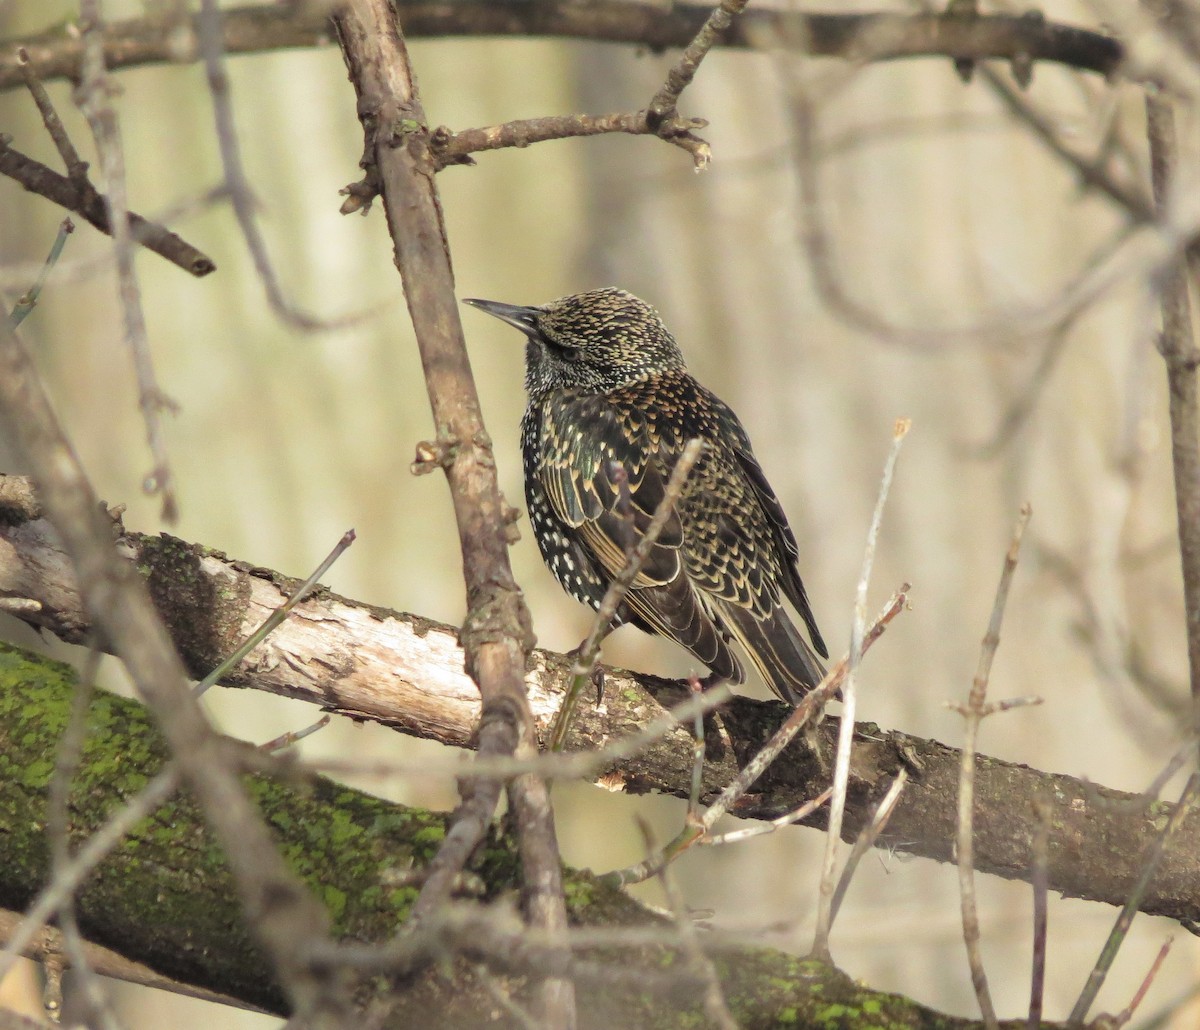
{"x":609,"y":391}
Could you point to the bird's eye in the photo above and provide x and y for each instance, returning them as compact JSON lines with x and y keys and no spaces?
{"x":564,"y":352}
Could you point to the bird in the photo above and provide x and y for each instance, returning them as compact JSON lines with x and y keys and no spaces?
{"x":611,"y":406}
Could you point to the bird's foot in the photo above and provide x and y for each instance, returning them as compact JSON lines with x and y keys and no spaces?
{"x":597,"y":673}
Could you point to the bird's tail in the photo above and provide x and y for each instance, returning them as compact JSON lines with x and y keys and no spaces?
{"x":784,"y":658}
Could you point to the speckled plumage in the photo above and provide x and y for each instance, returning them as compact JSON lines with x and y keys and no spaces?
{"x":608,"y":388}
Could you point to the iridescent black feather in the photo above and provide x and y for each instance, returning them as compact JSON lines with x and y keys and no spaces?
{"x":609,"y":390}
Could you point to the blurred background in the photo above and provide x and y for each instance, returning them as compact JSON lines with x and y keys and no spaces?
{"x":943,"y":217}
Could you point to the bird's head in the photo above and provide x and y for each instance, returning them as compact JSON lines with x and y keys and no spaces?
{"x":595,"y":341}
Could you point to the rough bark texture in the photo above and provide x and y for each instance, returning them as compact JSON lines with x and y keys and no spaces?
{"x":406,"y":671}
{"x":166,"y":898}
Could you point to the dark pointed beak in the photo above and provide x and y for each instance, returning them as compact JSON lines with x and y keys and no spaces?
{"x":518,"y":317}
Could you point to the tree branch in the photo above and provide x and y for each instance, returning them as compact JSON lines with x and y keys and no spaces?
{"x":407,"y":672}
{"x":255,"y":29}
{"x":497,"y":635}
{"x":166,"y":897}
{"x":84,"y":200}
{"x":284,"y":915}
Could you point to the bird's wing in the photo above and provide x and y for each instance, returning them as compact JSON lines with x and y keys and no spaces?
{"x":603,"y":476}
{"x":781,"y":532}
{"x":792,"y":584}
{"x":599,"y":473}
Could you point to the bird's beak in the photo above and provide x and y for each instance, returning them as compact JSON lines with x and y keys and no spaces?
{"x":519,"y":317}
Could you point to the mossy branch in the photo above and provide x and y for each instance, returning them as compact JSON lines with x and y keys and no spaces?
{"x":165,"y":897}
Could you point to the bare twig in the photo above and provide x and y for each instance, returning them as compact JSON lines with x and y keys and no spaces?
{"x":208,"y":28}
{"x":1093,"y":173}
{"x":715,"y":1006}
{"x":93,"y":95}
{"x":866,"y":839}
{"x":76,"y":168}
{"x":28,"y":300}
{"x":1149,"y":865}
{"x":58,"y":830}
{"x":973,"y":714}
{"x":693,"y":809}
{"x":286,"y":740}
{"x":841,"y":771}
{"x":1040,"y":878}
{"x":89,"y":205}
{"x":277,"y":616}
{"x":794,"y":816}
{"x":663,"y":106}
{"x":1178,"y":347}
{"x":1126,"y":1014}
{"x":451,"y":147}
{"x":541,"y":868}
{"x":589,"y":650}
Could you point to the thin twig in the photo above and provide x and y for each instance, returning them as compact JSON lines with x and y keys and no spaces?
{"x":973,"y":714}
{"x":1094,"y":174}
{"x":715,"y":1006}
{"x":1178,"y":348}
{"x":663,"y":107}
{"x":58,"y":831}
{"x":589,"y":650}
{"x":794,"y":816}
{"x":86,"y":202}
{"x":1126,"y":1014}
{"x":542,"y":878}
{"x":292,"y":737}
{"x":867,"y":837}
{"x":841,"y":771}
{"x":76,"y":167}
{"x":693,"y":808}
{"x":93,"y":95}
{"x":1040,"y":880}
{"x":28,"y":300}
{"x":277,"y":616}
{"x":1150,"y":863}
{"x":813,"y":702}
{"x":450,"y":147}
{"x":208,"y":27}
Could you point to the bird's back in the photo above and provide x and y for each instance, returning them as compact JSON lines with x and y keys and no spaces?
{"x":729,"y":537}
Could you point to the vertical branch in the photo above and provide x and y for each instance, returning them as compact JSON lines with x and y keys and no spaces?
{"x":841,"y":771}
{"x":1178,"y":348}
{"x":974,"y":712}
{"x":93,"y":97}
{"x":497,"y":636}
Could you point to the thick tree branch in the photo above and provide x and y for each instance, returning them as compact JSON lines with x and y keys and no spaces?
{"x":137,"y":41}
{"x":407,"y":672}
{"x":166,"y":897}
